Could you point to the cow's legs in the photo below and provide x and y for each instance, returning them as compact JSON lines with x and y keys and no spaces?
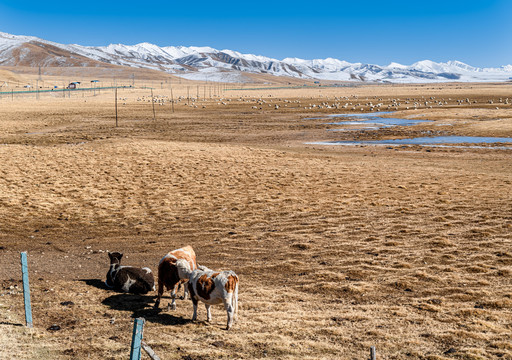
{"x":194,"y":316}
{"x":230,"y":310}
{"x":208,"y":312}
{"x":185,"y":292}
{"x":235,"y":303}
{"x":160,"y":292}
{"x":173,"y":297}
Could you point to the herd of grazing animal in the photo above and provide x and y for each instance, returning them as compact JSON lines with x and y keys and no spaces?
{"x":177,"y":268}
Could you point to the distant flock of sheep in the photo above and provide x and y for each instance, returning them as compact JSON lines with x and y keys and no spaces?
{"x":176,"y":268}
{"x":336,"y":104}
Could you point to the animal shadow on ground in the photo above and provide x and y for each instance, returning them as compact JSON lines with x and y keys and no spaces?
{"x":140,"y":306}
{"x":97,"y":283}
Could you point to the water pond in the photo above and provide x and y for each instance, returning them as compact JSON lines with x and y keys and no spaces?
{"x":374,"y":121}
{"x":435,"y":140}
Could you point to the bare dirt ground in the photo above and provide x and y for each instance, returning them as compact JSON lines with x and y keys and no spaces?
{"x":405,"y":248}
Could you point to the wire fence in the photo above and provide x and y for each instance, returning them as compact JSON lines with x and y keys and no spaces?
{"x":12,"y":92}
{"x":316,"y":86}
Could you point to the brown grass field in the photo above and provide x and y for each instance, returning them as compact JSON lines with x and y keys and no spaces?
{"x":338,"y":248}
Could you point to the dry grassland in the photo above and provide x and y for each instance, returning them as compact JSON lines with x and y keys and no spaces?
{"x":337,"y":248}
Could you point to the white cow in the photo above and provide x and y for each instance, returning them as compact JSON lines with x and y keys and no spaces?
{"x":212,"y":288}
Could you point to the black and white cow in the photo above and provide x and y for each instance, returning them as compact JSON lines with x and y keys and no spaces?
{"x":128,"y":279}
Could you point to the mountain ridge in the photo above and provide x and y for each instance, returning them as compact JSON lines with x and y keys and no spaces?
{"x":207,"y":63}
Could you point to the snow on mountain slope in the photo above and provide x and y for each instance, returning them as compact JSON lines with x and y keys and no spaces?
{"x":395,"y":65}
{"x":447,"y":67}
{"x":228,"y":65}
{"x":32,"y":52}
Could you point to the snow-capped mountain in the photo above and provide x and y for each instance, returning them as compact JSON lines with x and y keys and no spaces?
{"x":202,"y":63}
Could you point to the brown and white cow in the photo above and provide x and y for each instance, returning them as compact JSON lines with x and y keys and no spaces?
{"x":168,"y":275}
{"x":212,"y":288}
{"x":128,"y":279}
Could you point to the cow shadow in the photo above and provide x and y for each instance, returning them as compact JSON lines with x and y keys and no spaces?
{"x":138,"y":305}
{"x":97,"y":283}
{"x":142,"y":306}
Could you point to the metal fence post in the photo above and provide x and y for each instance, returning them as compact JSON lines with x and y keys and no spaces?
{"x":138,"y":328}
{"x":373,"y":355}
{"x":26,"y":290}
{"x":149,"y":351}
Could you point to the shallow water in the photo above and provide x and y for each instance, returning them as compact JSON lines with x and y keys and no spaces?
{"x":382,"y":122}
{"x":376,"y":120}
{"x":373,"y":121}
{"x":369,"y":115}
{"x":436,"y":140}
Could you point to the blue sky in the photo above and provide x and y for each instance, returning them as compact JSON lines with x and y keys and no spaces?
{"x":476,"y":32}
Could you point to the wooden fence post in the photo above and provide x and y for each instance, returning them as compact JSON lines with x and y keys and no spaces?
{"x":138,"y":328}
{"x":26,"y":290}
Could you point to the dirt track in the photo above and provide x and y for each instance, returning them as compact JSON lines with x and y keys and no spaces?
{"x":337,"y":248}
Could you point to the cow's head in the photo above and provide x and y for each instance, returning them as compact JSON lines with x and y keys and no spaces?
{"x":115,"y":261}
{"x":115,"y":257}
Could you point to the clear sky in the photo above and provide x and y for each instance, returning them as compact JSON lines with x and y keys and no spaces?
{"x":475,"y":32}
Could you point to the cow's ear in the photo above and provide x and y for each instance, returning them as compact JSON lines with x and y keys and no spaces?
{"x":120,"y":256}
{"x":109,"y":255}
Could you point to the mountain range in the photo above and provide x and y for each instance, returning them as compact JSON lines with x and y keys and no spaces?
{"x":206,"y":63}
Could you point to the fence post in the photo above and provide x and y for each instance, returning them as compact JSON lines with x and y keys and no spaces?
{"x":149,"y":351}
{"x":373,"y":356}
{"x":153,"y":103}
{"x":26,"y":290}
{"x":172,"y":99}
{"x":138,"y":328}
{"x":115,"y":94}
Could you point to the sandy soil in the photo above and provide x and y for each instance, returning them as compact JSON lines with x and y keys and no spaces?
{"x":338,"y":248}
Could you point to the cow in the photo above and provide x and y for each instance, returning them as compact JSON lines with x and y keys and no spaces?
{"x":128,"y":279}
{"x":168,"y":275}
{"x":212,"y":288}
